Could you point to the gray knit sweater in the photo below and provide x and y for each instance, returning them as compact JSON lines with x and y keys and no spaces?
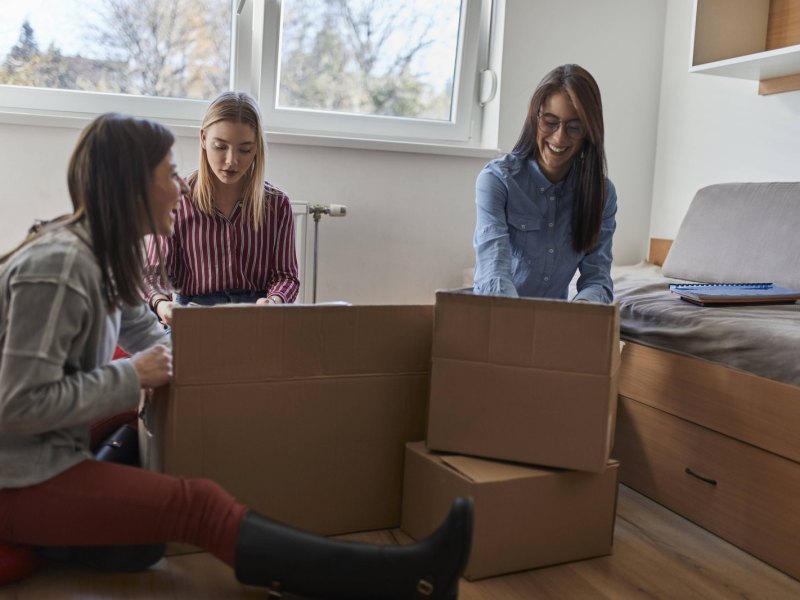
{"x":57,"y":339}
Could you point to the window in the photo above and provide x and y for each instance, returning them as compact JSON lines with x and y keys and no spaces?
{"x":371,"y":67}
{"x":344,"y":68}
{"x":76,"y":56}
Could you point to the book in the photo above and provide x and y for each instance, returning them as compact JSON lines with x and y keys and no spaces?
{"x":734,"y":293}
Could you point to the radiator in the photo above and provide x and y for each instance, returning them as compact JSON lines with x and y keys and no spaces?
{"x":300,"y":212}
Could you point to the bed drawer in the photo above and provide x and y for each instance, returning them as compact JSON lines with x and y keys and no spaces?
{"x":741,"y":493}
{"x":753,"y":409}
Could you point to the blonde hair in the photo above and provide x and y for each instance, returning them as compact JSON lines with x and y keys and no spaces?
{"x":236,"y":107}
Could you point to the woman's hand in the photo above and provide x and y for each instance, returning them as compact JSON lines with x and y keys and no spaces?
{"x":164,"y":311}
{"x":154,"y":366}
{"x":273,"y":299}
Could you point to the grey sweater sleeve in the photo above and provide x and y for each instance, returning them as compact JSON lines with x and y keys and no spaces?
{"x":140,"y":329}
{"x":51,"y":376}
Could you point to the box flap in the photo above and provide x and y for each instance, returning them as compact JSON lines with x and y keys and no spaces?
{"x":256,"y":343}
{"x":528,"y":415}
{"x":527,"y":332}
{"x":478,"y":470}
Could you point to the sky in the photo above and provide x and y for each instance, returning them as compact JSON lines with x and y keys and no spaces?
{"x":64,"y":22}
{"x":61,"y":21}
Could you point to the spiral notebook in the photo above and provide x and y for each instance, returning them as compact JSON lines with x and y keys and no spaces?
{"x":734,"y":293}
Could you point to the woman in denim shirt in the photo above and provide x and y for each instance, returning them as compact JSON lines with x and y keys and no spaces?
{"x":547,"y":209}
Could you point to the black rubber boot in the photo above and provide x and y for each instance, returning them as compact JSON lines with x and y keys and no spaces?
{"x":284,"y":559}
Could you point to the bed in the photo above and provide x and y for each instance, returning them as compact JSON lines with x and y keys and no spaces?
{"x":709,"y":409}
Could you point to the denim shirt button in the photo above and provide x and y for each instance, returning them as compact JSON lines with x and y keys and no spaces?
{"x":546,"y":278}
{"x":551,"y":224}
{"x":551,"y":250}
{"x":523,"y":226}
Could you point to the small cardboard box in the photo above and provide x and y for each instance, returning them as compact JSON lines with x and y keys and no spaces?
{"x":525,"y":517}
{"x":301,"y":412}
{"x":532,"y":381}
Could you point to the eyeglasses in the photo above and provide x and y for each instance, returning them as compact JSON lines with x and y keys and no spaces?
{"x":549,"y":124}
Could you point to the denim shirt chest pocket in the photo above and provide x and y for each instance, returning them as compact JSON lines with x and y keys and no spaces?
{"x":522,"y":231}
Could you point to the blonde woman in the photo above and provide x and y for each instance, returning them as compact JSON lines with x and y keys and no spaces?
{"x":234,"y":232}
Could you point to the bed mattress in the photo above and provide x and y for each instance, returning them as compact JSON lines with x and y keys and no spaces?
{"x":760,"y":339}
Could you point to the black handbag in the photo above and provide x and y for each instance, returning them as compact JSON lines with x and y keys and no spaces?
{"x":121,"y":447}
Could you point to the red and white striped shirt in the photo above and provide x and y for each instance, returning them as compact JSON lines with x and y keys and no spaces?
{"x":212,"y":253}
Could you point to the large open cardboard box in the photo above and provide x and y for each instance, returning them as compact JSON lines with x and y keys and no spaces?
{"x":533,"y":381}
{"x":301,"y":412}
{"x":525,"y":517}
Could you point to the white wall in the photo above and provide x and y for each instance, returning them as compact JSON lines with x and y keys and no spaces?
{"x":408,"y":229}
{"x":410,"y":216}
{"x":714,"y":129}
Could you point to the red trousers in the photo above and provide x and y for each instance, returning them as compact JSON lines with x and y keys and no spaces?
{"x":107,"y":504}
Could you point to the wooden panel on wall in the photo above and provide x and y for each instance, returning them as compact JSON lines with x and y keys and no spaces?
{"x":659,"y":248}
{"x":728,"y":28}
{"x":783,"y":24}
{"x":776,"y":85}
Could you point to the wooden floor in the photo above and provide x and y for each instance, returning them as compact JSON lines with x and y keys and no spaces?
{"x":657,"y":554}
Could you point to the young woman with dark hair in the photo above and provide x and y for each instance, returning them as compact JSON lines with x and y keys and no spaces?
{"x":547,"y":209}
{"x":68,"y":295}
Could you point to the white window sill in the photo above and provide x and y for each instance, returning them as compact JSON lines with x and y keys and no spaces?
{"x":191,"y":129}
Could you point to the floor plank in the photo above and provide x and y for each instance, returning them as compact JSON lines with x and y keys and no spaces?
{"x":657,"y":554}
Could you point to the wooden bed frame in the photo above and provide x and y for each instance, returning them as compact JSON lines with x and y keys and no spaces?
{"x":716,"y":445}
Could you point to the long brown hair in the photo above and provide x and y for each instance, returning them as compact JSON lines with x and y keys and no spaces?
{"x":236,"y":107}
{"x":583,"y":92}
{"x":109,"y":177}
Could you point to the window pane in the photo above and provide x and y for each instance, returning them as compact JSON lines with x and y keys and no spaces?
{"x":374,"y":57}
{"x":171,"y":48}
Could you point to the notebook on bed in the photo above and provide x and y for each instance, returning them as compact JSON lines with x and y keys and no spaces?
{"x":734,"y":293}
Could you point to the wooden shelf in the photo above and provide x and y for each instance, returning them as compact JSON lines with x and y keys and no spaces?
{"x":749,"y":39}
{"x":761,"y":65}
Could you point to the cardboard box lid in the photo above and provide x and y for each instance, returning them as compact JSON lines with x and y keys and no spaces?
{"x":527,"y":332}
{"x":480,"y":470}
{"x":288,"y":342}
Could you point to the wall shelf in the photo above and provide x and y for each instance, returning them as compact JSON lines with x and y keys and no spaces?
{"x":749,"y":39}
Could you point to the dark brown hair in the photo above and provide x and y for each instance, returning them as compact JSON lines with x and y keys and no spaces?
{"x":109,"y":177}
{"x":584,"y":94}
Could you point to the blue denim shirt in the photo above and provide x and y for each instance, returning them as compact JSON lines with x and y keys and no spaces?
{"x":523,"y":236}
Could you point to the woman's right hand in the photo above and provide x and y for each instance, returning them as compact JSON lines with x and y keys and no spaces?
{"x":164,"y":311}
{"x":154,"y":366}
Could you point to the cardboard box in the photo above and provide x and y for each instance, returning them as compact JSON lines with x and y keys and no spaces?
{"x":525,"y":517}
{"x":533,"y":381}
{"x":301,"y":412}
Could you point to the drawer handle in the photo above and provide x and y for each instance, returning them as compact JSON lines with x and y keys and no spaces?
{"x":700,"y":477}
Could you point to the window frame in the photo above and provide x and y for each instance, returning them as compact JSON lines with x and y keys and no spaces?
{"x":254,"y":68}
{"x":461,"y":128}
